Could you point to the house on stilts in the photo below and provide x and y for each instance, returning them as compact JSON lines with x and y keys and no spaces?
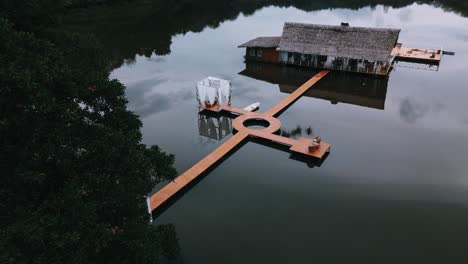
{"x":345,"y":48}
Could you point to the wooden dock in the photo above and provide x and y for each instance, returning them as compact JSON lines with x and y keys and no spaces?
{"x":417,"y":55}
{"x":283,"y":104}
{"x":299,"y":146}
{"x":185,"y":178}
{"x":296,"y":146}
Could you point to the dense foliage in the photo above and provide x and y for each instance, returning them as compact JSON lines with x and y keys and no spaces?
{"x":28,"y":14}
{"x":74,"y":173}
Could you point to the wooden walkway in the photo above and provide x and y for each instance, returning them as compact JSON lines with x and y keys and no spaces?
{"x":185,"y":178}
{"x":296,"y":94}
{"x":298,"y":146}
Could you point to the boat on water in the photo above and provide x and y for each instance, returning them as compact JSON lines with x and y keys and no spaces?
{"x":253,"y":107}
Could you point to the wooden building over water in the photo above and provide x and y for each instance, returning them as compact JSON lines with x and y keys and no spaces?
{"x":345,"y":48}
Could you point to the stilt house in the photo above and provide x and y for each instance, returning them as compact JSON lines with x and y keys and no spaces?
{"x":345,"y":48}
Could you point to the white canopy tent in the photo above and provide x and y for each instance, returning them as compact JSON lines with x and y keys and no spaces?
{"x":213,"y":91}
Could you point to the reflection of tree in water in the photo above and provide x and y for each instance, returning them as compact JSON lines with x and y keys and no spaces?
{"x":146,"y":27}
{"x":74,"y":171}
{"x":411,"y":110}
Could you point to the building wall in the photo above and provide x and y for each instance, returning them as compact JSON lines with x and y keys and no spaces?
{"x":336,"y":63}
{"x":262,"y":54}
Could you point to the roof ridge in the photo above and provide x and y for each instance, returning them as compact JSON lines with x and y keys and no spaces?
{"x":323,"y":26}
{"x":374,"y":44}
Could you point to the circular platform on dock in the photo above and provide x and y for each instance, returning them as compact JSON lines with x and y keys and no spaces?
{"x":244,"y":122}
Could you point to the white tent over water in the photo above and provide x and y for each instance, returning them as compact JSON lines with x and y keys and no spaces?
{"x":213,"y":91}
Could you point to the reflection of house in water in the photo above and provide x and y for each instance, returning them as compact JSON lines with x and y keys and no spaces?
{"x":214,"y":126}
{"x":339,"y":87}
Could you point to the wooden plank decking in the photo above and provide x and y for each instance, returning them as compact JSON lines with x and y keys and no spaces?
{"x":185,"y":178}
{"x":298,"y":146}
{"x":296,"y":94}
{"x":417,"y":55}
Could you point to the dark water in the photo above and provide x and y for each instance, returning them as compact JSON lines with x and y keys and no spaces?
{"x":394,"y":188}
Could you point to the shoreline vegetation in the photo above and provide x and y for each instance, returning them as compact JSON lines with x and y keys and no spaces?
{"x":75,"y":173}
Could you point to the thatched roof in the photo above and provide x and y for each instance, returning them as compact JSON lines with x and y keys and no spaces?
{"x":262,"y":42}
{"x":373,"y":44}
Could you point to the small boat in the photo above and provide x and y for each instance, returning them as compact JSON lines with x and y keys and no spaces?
{"x":253,"y":107}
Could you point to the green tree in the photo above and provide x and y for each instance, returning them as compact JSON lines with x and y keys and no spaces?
{"x":74,"y":171}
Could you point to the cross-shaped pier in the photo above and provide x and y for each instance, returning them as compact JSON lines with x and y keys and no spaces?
{"x":300,"y":145}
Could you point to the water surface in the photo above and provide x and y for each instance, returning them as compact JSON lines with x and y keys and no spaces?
{"x":394,"y":188}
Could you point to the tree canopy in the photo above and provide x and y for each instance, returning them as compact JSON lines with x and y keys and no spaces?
{"x":74,"y":171}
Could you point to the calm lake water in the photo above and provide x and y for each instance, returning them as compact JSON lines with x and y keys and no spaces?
{"x":394,"y":188}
